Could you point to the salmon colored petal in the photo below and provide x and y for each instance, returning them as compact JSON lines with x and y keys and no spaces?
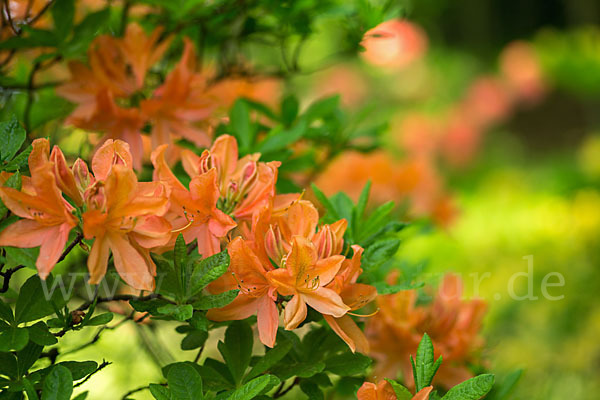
{"x":302,"y":219}
{"x":423,"y":393}
{"x":130,"y":264}
{"x":220,"y":223}
{"x":39,"y":153}
{"x":244,"y":262}
{"x":190,"y":162}
{"x":295,"y":312}
{"x":48,"y":194}
{"x":303,"y":255}
{"x":52,"y":248}
{"x":241,"y":308}
{"x":326,"y":301}
{"x":18,"y":202}
{"x":64,"y":176}
{"x":268,"y":321}
{"x":208,"y":244}
{"x":224,"y":154}
{"x":204,"y":191}
{"x":358,"y":295}
{"x":148,"y":198}
{"x":25,"y":233}
{"x":97,"y":262}
{"x":152,"y":231}
{"x":283,"y":281}
{"x":350,"y":333}
{"x":326,"y":269}
{"x":110,"y":153}
{"x":368,"y":391}
{"x":162,"y":172}
{"x":282,"y":202}
{"x":120,"y":188}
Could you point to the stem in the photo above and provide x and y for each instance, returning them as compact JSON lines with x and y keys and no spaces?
{"x":7,"y":275}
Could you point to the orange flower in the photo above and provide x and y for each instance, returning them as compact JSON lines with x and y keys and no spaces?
{"x":453,"y":325}
{"x":124,"y":217}
{"x":354,"y":295}
{"x":305,"y":277}
{"x":384,"y":391}
{"x":256,"y":296}
{"x":180,"y":103}
{"x":194,"y":212}
{"x":246,"y":185}
{"x":47,"y":216}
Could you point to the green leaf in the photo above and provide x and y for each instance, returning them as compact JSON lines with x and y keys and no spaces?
{"x":181,"y":312}
{"x":39,"y":334}
{"x":79,"y":369}
{"x":329,"y":207}
{"x":240,"y":124}
{"x":301,"y":369}
{"x":502,"y":390}
{"x":347,"y":364}
{"x":6,"y":312}
{"x":12,"y":136}
{"x":216,"y":300}
{"x":81,"y":396}
{"x":279,"y":139}
{"x":29,"y":389}
{"x":194,"y":340}
{"x":237,"y":349}
{"x":184,"y":383}
{"x":402,"y":393}
{"x":289,"y":109}
{"x":151,"y":306}
{"x":322,"y":108}
{"x":179,"y":257}
{"x":27,"y":357}
{"x":199,"y":321}
{"x":58,"y":385}
{"x":207,"y":270}
{"x":20,"y":161}
{"x":9,"y":365}
{"x":159,"y":392}
{"x":63,"y":14}
{"x":101,"y":319}
{"x":253,"y":388}
{"x":21,"y":256}
{"x":32,"y":303}
{"x":473,"y":389}
{"x":424,"y":365}
{"x":312,"y":390}
{"x":14,"y":339}
{"x":270,"y":358}
{"x":85,"y":31}
{"x":379,"y":252}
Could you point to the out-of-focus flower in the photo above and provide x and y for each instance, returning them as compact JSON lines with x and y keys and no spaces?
{"x":452,"y":323}
{"x":124,"y":217}
{"x":394,"y":43}
{"x":47,"y":216}
{"x":342,"y":80}
{"x":305,"y":277}
{"x":256,"y":295}
{"x":384,"y":391}
{"x":181,"y":103}
{"x":419,"y":135}
{"x":521,"y":68}
{"x":194,"y":212}
{"x":461,"y":138}
{"x":245,"y":185}
{"x":487,"y":101}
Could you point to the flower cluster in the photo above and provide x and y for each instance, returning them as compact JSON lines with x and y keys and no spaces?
{"x":112,"y":92}
{"x":452,"y":323}
{"x":280,"y":257}
{"x":384,"y":391}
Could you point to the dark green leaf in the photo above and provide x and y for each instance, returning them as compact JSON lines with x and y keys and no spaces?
{"x":20,"y":161}
{"x":312,"y":390}
{"x":6,"y":312}
{"x":181,"y":312}
{"x":252,"y":389}
{"x":160,"y":392}
{"x":207,"y":270}
{"x":347,"y":364}
{"x":12,"y":136}
{"x":270,"y":358}
{"x":216,"y":300}
{"x":58,"y":385}
{"x":240,"y":124}
{"x":32,"y":303}
{"x":237,"y":348}
{"x":29,"y":389}
{"x":63,"y":13}
{"x":402,"y":393}
{"x":28,"y":356}
{"x":79,"y":369}
{"x":39,"y":333}
{"x":184,"y":383}
{"x":473,"y":389}
{"x":194,"y":340}
{"x":289,"y":109}
{"x":14,"y":339}
{"x":101,"y":319}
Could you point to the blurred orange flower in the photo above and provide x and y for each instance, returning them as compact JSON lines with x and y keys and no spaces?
{"x":395,"y":43}
{"x":384,"y":391}
{"x":452,"y":323}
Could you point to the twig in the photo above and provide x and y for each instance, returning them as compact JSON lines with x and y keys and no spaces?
{"x":280,"y":393}
{"x":121,"y":297}
{"x":199,"y":354}
{"x":101,"y":366}
{"x":138,"y":390}
{"x":70,"y":247}
{"x":7,"y":275}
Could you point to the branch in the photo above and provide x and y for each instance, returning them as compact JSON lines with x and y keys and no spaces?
{"x":122,"y":297}
{"x":280,"y":393}
{"x":7,"y":275}
{"x":101,"y":366}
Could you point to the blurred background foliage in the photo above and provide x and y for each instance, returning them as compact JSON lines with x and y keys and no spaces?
{"x":525,"y":183}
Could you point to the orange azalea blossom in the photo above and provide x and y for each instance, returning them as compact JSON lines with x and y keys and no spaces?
{"x":305,"y":277}
{"x":180,"y":103}
{"x":256,"y":296}
{"x":245,"y":185}
{"x":453,"y":325}
{"x":47,"y":216}
{"x":125,"y":218}
{"x":194,"y":212}
{"x":354,"y":295}
{"x":384,"y":391}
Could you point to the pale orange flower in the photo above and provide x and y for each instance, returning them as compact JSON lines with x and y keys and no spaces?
{"x":125,"y":218}
{"x":246,"y":185}
{"x":305,"y":277}
{"x":256,"y":295}
{"x":181,"y":103}
{"x":47,"y":216}
{"x":452,"y":323}
{"x":521,"y":68}
{"x":384,"y":391}
{"x":354,"y":295}
{"x":194,"y":211}
{"x":394,"y":43}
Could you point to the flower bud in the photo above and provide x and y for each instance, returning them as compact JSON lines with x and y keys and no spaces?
{"x":81,"y":173}
{"x":64,"y":176}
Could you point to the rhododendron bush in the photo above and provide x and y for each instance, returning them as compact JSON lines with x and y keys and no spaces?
{"x":165,"y":175}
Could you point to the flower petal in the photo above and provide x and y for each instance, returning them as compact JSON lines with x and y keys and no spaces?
{"x":326,"y":301}
{"x":350,"y":333}
{"x":130,"y":264}
{"x":241,"y":308}
{"x":295,"y":312}
{"x":268,"y":321}
{"x":98,"y":259}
